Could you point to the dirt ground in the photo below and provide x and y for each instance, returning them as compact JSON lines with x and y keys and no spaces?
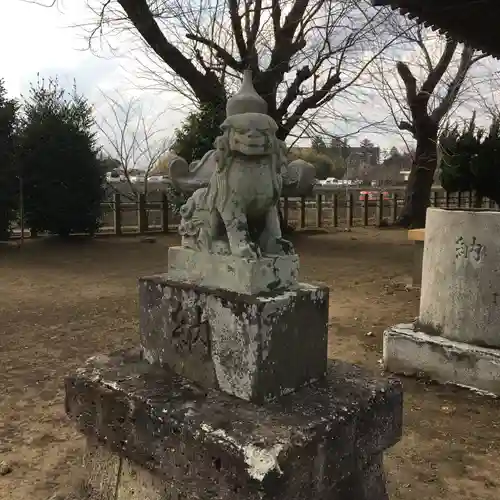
{"x":61,"y":303}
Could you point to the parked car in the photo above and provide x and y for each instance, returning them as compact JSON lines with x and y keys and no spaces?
{"x":374,"y":195}
{"x":114,"y":177}
{"x":158,"y":178}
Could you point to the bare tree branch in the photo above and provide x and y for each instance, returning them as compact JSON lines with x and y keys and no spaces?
{"x":434,"y":76}
{"x":466,"y":61}
{"x":141,"y":17}
{"x":199,"y":48}
{"x":408,"y":79}
{"x":226,"y":57}
{"x":237,"y":28}
{"x":136,"y":142}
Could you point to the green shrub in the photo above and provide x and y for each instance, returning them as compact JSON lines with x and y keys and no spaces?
{"x":197,"y":134}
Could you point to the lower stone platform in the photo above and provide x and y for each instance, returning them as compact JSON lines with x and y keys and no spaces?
{"x":408,"y":351}
{"x":154,"y":435}
{"x":247,"y":276}
{"x":255,"y":347}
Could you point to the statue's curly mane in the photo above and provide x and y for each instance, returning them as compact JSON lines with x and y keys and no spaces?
{"x":224,"y":157}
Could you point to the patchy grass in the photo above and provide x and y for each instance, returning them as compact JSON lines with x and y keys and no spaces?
{"x":61,"y":303}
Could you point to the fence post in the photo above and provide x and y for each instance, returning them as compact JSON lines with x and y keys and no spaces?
{"x":447,"y":199}
{"x":395,"y":199}
{"x":143,"y":215}
{"x":365,"y":210}
{"x":319,"y":210}
{"x":435,"y":197}
{"x":471,"y":202}
{"x":335,"y":210}
{"x":302,"y":212}
{"x":285,"y":211}
{"x":350,"y":209}
{"x":459,"y":199}
{"x":380,"y":209}
{"x":117,"y":205}
{"x":164,"y":213}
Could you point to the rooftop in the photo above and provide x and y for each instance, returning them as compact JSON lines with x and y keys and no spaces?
{"x":474,"y":22}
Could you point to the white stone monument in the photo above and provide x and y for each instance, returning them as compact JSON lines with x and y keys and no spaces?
{"x":456,"y":338}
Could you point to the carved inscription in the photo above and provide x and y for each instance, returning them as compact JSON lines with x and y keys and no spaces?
{"x":190,"y":330}
{"x":474,"y":252}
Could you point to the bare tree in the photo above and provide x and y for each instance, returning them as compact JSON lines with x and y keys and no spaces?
{"x":424,"y":93}
{"x":488,"y":96}
{"x":131,"y":137}
{"x":303,"y":53}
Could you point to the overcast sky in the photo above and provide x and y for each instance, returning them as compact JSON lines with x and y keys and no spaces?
{"x":41,"y":40}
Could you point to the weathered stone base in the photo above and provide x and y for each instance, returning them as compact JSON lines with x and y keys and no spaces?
{"x":253,"y":347}
{"x":108,"y":476}
{"x":154,"y":435}
{"x":410,"y":352}
{"x":248,"y":276}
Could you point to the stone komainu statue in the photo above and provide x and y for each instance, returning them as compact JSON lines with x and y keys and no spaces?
{"x":237,"y":213}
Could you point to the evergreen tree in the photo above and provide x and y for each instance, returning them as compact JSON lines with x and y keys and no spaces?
{"x":318,"y":144}
{"x":470,"y":160}
{"x":367,"y":144}
{"x":62,"y":175}
{"x":9,"y":180}
{"x":394,"y":152}
{"x":197,"y":134}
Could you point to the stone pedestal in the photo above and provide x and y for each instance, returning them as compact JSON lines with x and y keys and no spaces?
{"x":227,"y":272}
{"x":255,"y":347}
{"x":230,"y":396}
{"x":412,"y":352}
{"x":154,"y":435}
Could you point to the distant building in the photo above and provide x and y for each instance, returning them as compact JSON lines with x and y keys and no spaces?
{"x":394,"y":170}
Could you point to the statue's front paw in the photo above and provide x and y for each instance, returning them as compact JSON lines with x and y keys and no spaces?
{"x":285,"y":246}
{"x":248,"y":252}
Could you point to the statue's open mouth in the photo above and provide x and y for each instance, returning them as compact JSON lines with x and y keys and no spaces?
{"x":255,"y":143}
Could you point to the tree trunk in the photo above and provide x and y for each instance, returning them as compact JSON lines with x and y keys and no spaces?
{"x":418,"y":190}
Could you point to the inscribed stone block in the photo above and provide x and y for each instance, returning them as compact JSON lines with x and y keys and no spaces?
{"x":252,"y":346}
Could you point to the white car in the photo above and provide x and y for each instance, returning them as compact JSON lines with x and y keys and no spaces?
{"x":114,"y":178}
{"x":158,"y":178}
{"x":136,"y":178}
